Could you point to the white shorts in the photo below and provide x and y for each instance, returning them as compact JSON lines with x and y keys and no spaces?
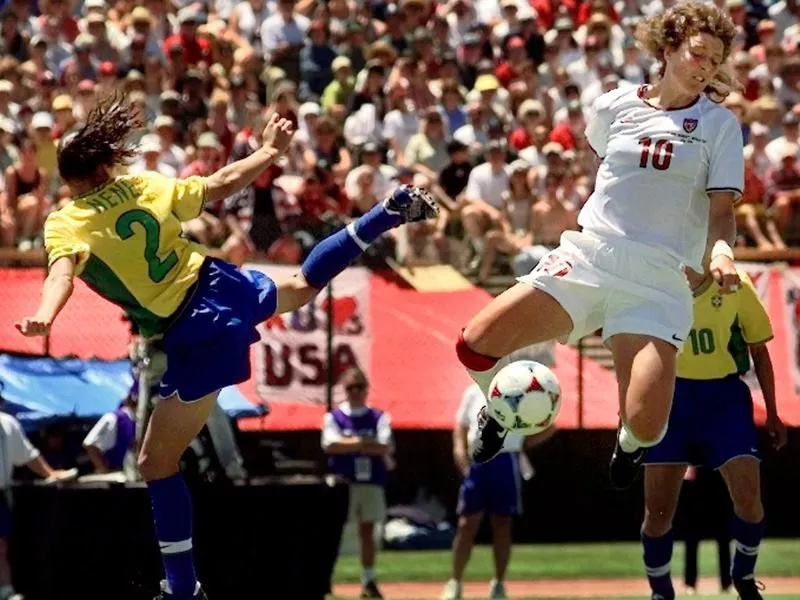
{"x":367,"y":503}
{"x":616,"y":285}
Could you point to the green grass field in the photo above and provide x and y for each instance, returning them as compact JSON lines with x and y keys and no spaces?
{"x":566,"y":561}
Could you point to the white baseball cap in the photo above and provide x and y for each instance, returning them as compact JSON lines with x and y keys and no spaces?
{"x":42,"y":120}
{"x":150,"y":143}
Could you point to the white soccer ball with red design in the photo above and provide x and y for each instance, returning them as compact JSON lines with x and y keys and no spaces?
{"x":524,"y":397}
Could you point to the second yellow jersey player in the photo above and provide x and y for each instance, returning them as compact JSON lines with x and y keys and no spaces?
{"x":724,"y":327}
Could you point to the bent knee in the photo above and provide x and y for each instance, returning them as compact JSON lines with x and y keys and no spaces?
{"x":657,"y":521}
{"x":152,"y":467}
{"x":467,"y":350}
{"x":27,"y":204}
{"x":750,"y":510}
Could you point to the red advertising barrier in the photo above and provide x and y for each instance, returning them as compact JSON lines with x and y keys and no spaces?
{"x":403,"y":338}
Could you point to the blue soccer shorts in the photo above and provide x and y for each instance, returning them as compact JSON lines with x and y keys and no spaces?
{"x":711,"y":423}
{"x":493,"y":487}
{"x":208,"y":345}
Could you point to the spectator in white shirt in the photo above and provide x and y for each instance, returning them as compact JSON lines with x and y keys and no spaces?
{"x":379,"y":176}
{"x":791,"y":130}
{"x":756,"y":149}
{"x":171,"y":154}
{"x":484,"y":195}
{"x":150,"y":159}
{"x":283,"y":35}
{"x":16,"y":451}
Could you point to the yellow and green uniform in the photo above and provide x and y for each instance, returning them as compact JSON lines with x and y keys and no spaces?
{"x":127,"y":243}
{"x":711,"y":420}
{"x":724,"y":326}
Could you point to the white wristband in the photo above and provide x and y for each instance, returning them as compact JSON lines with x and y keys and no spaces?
{"x":721,"y":248}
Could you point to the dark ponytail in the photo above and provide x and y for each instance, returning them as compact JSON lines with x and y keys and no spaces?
{"x":102,"y":140}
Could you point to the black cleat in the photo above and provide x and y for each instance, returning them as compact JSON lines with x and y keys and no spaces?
{"x":748,"y":589}
{"x":412,"y":204}
{"x":624,"y":467}
{"x":491,"y":436}
{"x":199,"y":594}
{"x":370,"y":590}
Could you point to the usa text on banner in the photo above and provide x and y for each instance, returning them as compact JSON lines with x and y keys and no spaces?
{"x":290,"y":360}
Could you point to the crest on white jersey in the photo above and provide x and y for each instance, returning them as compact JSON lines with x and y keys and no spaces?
{"x":689,"y":125}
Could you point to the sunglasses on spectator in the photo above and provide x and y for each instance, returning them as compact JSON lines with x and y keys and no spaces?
{"x":354,"y":387}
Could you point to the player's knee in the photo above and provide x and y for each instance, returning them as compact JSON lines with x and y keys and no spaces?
{"x":469,"y":524}
{"x":747,"y":503}
{"x":750,"y":510}
{"x":657,"y":522}
{"x":152,"y":467}
{"x":468,"y":352}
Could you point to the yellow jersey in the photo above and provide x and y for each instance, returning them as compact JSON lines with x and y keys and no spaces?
{"x":126,"y":239}
{"x":724,"y":327}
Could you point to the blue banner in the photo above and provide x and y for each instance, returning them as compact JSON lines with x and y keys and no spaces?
{"x":42,"y":390}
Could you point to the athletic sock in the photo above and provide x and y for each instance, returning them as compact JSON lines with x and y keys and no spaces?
{"x":172,"y":512}
{"x":657,"y":559}
{"x":480,"y":367}
{"x":746,"y":540}
{"x":630,"y":443}
{"x":367,"y":575}
{"x":627,"y":441}
{"x":335,"y":253}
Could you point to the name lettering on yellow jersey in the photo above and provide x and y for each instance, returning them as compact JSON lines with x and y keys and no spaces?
{"x":111,"y":196}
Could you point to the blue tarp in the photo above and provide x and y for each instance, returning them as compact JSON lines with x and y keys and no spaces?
{"x":42,"y":390}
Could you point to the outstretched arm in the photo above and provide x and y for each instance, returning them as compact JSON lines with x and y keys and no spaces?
{"x":56,"y":291}
{"x":238,"y":175}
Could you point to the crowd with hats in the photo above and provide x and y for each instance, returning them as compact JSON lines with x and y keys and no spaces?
{"x":484,"y":102}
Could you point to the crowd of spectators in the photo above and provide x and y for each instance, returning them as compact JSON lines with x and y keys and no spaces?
{"x":482,"y":101}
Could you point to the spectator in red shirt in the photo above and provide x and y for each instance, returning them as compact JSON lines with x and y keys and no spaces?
{"x":530,"y":114}
{"x":587,"y":9}
{"x":195,"y":49}
{"x":58,"y":10}
{"x":547,"y":10}
{"x":508,"y":70}
{"x":566,"y":133}
{"x":743,"y":64}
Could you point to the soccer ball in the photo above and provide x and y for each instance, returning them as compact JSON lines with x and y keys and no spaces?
{"x":524,"y":397}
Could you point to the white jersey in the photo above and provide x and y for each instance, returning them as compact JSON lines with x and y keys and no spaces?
{"x":658,"y":166}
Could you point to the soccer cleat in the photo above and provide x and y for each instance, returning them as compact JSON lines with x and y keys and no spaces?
{"x":497,"y":591}
{"x":411,"y":203}
{"x":452,"y":590}
{"x":370,"y":590}
{"x":624,"y":467}
{"x":199,"y":594}
{"x":490,"y":439}
{"x":748,"y":589}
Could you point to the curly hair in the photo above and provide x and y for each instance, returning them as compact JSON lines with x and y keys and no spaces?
{"x":675,"y":25}
{"x":102,"y":140}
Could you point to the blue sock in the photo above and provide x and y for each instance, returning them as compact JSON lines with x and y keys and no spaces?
{"x":172,"y":511}
{"x":333,"y":254}
{"x":657,"y":559}
{"x":746,"y":540}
